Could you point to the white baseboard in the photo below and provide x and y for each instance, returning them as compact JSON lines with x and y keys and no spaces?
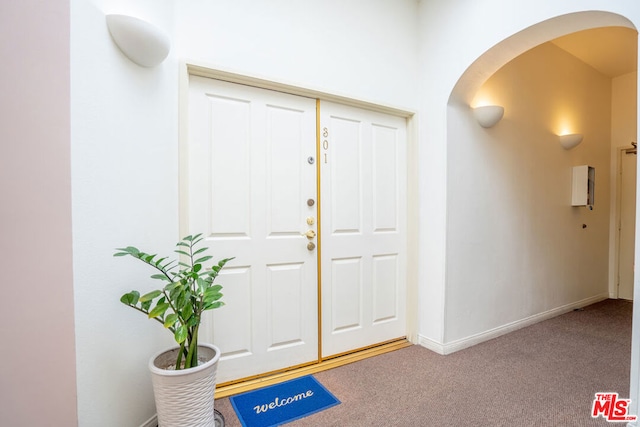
{"x":431,"y":344}
{"x":151,"y":422}
{"x":457,"y":345}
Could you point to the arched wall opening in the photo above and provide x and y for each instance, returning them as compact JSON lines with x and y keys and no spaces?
{"x":514,"y":242}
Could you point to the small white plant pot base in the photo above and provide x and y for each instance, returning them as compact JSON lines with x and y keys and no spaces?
{"x":184,"y":398}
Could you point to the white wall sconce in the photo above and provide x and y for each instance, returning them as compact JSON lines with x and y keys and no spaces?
{"x":142,"y":42}
{"x":570,"y":140}
{"x":488,"y":115}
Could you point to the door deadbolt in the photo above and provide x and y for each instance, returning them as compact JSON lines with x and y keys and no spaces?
{"x":311,"y":246}
{"x":311,"y":202}
{"x":311,"y":160}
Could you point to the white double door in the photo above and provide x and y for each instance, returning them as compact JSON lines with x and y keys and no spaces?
{"x":253,"y":162}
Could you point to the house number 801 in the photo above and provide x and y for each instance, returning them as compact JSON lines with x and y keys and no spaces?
{"x":325,"y":143}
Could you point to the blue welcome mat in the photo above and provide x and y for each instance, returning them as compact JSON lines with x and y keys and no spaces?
{"x":282,"y":403}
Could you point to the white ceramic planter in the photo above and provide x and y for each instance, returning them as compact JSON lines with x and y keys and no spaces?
{"x":184,"y":398}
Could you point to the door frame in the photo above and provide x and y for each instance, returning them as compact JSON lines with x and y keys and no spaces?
{"x":615,"y":227}
{"x":193,"y":68}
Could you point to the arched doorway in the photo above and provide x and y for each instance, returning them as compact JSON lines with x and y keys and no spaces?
{"x":514,"y":242}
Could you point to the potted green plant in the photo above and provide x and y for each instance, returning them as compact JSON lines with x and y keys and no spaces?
{"x":184,"y":376}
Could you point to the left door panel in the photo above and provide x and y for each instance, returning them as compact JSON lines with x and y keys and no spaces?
{"x":247,"y":181}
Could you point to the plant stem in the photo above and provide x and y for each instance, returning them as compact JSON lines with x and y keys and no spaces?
{"x":179,"y":360}
{"x":192,"y":356}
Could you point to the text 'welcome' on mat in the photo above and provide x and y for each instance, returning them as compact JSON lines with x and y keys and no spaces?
{"x":282,"y":403}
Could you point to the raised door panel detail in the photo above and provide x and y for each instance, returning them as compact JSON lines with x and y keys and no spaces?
{"x":229,"y":158}
{"x":285,"y":170}
{"x":285,"y":303}
{"x":237,"y":311}
{"x":385,"y":288}
{"x":346,"y":180}
{"x":346,"y":291}
{"x":385,"y":178}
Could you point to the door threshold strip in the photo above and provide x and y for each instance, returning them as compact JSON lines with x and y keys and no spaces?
{"x":231,"y":388}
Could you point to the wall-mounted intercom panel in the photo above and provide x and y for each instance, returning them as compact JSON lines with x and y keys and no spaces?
{"x":583,"y":185}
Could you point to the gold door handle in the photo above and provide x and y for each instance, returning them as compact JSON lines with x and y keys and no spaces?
{"x":310,"y":234}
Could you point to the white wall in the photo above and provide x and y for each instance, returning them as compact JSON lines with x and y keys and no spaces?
{"x":515,"y":246}
{"x":37,"y":361}
{"x":125,"y":145}
{"x":125,"y":189}
{"x":361,"y":49}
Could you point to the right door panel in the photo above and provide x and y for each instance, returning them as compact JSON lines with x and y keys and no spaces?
{"x":363,"y":235}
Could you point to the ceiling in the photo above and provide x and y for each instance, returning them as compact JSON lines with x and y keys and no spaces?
{"x":613,"y":51}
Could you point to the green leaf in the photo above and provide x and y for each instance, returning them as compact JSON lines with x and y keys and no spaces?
{"x":181,"y":252}
{"x":170,"y":320}
{"x":222,"y":263}
{"x":130,"y":298}
{"x":174,"y":294}
{"x":178,"y":276}
{"x":213,"y":305}
{"x":145,"y":305}
{"x":199,"y":251}
{"x":168,"y":265}
{"x":208,"y":299}
{"x":181,"y":300}
{"x":196,"y":268}
{"x":202,"y":284}
{"x":171,"y":286}
{"x":212,"y":294}
{"x":158,"y":310}
{"x":129,"y":249}
{"x":181,"y":334}
{"x":193,"y":321}
{"x":160,"y":277}
{"x":187,"y":312}
{"x":150,"y":296}
{"x":203,"y":259}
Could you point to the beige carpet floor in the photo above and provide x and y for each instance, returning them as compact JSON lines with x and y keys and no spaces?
{"x":542,"y":375}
